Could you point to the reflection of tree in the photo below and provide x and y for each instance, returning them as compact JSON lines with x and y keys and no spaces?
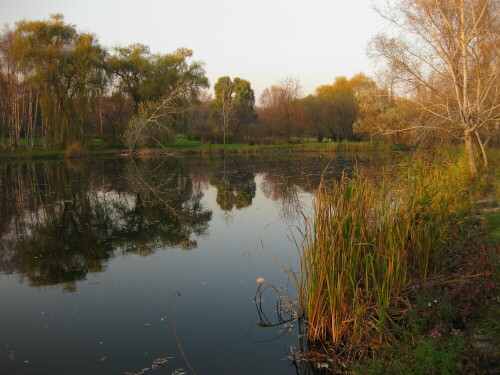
{"x":60,"y":225}
{"x":281,"y":183}
{"x":60,"y":222}
{"x":167,"y":209}
{"x":235,"y":187}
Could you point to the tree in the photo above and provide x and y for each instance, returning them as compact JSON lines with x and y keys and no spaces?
{"x":244,"y":98}
{"x":233,"y":105}
{"x":154,"y":123}
{"x":149,"y":77}
{"x":17,"y":116}
{"x":130,"y":65}
{"x":222,"y":107}
{"x":281,"y":106}
{"x":339,"y":108}
{"x":311,"y":108}
{"x":446,"y":56}
{"x":373,"y":102}
{"x":66,"y":68}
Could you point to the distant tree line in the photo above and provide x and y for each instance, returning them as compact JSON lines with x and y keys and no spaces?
{"x":439,"y":83}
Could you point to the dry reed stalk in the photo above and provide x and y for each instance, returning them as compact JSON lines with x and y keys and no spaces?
{"x":364,"y":241}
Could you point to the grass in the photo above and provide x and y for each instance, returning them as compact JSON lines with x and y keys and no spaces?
{"x":189,"y":146}
{"x":367,"y":240}
{"x":185,"y":146}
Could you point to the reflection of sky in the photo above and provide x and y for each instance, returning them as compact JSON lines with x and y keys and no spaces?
{"x":118,"y":320}
{"x":123,"y":313}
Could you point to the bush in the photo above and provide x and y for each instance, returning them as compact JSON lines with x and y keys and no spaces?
{"x":75,"y":150}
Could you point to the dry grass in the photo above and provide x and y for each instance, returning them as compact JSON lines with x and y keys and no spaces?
{"x":365,"y":241}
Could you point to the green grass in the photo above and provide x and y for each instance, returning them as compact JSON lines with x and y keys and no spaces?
{"x":493,"y":225}
{"x":186,"y":146}
{"x":190,"y":146}
{"x":40,"y":153}
{"x":425,"y":356}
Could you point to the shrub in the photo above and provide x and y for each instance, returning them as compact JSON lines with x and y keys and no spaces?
{"x":75,"y":150}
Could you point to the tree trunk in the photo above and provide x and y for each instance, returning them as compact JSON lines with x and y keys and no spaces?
{"x":482,"y":146}
{"x":469,"y":146}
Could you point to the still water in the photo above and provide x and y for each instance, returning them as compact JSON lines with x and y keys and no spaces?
{"x":108,"y":265}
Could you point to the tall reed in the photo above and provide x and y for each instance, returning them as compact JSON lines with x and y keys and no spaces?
{"x":365,"y":240}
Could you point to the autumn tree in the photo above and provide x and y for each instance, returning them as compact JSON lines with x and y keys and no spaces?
{"x":154,"y":123}
{"x":233,"y":105}
{"x":373,"y":102}
{"x":311,"y":109}
{"x":280,"y":106}
{"x":445,"y":55}
{"x":339,"y":108}
{"x":147,"y":77}
{"x":17,"y":111}
{"x":66,"y":69}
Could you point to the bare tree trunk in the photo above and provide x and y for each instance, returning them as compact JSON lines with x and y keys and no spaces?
{"x":34,"y":119}
{"x":100,"y":119}
{"x":482,"y":146}
{"x":469,"y":146}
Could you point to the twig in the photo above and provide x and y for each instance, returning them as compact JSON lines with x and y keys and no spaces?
{"x":178,"y":342}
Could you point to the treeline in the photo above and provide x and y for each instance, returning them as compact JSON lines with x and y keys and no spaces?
{"x":347,"y":110}
{"x":60,"y":87}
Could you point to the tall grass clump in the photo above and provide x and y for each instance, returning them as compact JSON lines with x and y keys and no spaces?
{"x":367,"y":239}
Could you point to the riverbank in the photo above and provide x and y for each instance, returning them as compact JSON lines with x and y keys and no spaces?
{"x":399,"y":277}
{"x":186,"y":147}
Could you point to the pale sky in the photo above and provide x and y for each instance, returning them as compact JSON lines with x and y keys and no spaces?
{"x":258,"y":40}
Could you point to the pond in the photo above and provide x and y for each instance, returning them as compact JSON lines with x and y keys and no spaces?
{"x":113,"y":266}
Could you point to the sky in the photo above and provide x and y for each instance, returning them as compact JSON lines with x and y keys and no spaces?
{"x":261,"y":41}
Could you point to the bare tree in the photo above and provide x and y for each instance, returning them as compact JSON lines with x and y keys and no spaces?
{"x":154,"y":122}
{"x":280,"y":105}
{"x":445,"y":52}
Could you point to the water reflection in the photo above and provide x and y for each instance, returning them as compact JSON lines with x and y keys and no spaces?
{"x":65,"y":222}
{"x":235,"y":185}
{"x":60,"y":223}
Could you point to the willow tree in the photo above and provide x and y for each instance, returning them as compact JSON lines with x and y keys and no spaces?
{"x":311,"y":109}
{"x":339,"y":108}
{"x":148,"y":77}
{"x":130,"y":66}
{"x":66,"y":68}
{"x":445,"y":52}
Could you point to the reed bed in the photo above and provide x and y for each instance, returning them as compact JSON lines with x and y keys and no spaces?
{"x":367,"y":239}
